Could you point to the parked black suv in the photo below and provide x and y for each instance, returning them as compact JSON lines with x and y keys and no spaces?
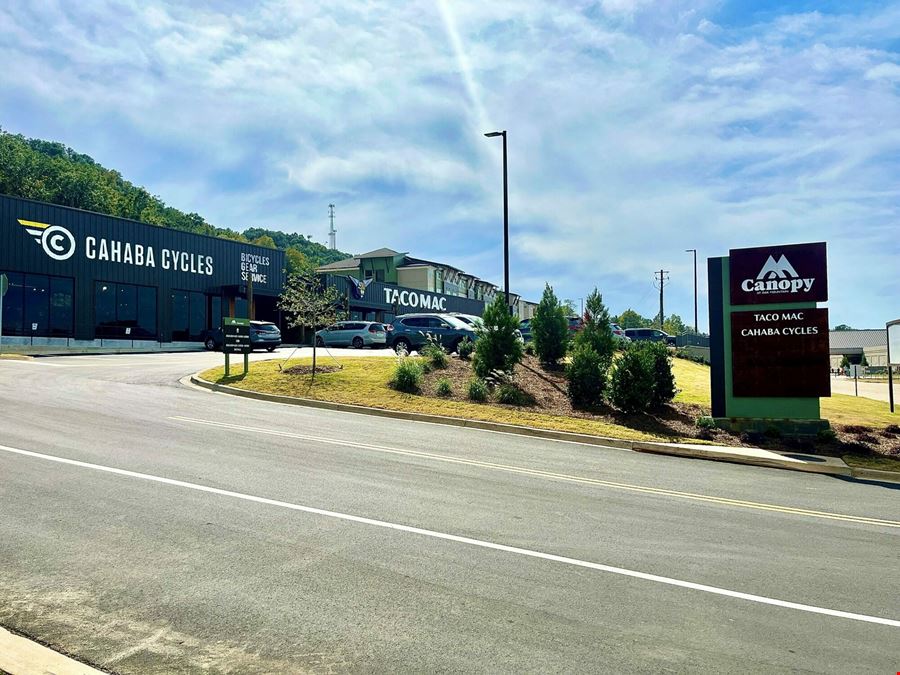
{"x":650,"y":335}
{"x":412,"y":331}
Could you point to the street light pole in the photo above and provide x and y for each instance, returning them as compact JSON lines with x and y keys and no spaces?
{"x":492,"y":134}
{"x":694,"y":251}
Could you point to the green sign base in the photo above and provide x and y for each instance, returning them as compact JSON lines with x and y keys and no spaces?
{"x":794,"y":428}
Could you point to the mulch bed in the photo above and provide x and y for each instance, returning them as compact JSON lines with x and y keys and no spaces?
{"x":548,"y":389}
{"x":307,"y":370}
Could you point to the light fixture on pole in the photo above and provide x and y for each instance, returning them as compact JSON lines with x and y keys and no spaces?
{"x":694,"y":251}
{"x":493,"y":134}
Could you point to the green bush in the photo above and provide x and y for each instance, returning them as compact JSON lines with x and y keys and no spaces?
{"x":550,"y":328}
{"x":443,"y":387}
{"x":632,"y":383}
{"x":478,"y":390}
{"x":497,"y":347}
{"x":586,"y":374}
{"x":510,"y":394}
{"x":407,"y":376}
{"x":705,"y":422}
{"x":434,"y":353}
{"x":465,"y":348}
{"x":529,"y":348}
{"x":663,"y":377}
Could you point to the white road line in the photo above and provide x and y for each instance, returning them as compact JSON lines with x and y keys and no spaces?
{"x":668,"y":581}
{"x":761,"y":506}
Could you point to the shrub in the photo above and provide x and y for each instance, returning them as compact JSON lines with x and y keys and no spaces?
{"x":529,"y":348}
{"x":443,"y":387}
{"x":632,"y":383}
{"x":705,"y":422}
{"x":663,"y":377}
{"x":497,"y":347}
{"x":826,"y":435}
{"x":587,"y":376}
{"x":434,"y":353}
{"x":510,"y":394}
{"x":478,"y":390}
{"x":407,"y":376}
{"x":550,"y":328}
{"x":465,"y":348}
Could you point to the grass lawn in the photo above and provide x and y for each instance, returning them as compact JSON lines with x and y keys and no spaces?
{"x":693,"y":379}
{"x":364,"y":381}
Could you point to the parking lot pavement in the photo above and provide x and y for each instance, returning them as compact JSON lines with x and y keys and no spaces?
{"x":874,"y":390}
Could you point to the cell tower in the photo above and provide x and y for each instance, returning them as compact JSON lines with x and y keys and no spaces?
{"x":332,"y":244}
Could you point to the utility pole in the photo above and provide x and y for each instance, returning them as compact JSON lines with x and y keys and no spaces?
{"x":662,"y":277}
{"x":332,"y":243}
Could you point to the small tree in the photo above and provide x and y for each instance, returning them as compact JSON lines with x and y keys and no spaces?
{"x":587,"y":376}
{"x":309,"y":304}
{"x":550,"y":328}
{"x":663,"y":377}
{"x":596,"y":332}
{"x":632,"y":385}
{"x":497,"y":346}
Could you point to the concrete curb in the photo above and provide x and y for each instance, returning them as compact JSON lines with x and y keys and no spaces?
{"x":791,"y":461}
{"x":875,"y":474}
{"x":18,"y":654}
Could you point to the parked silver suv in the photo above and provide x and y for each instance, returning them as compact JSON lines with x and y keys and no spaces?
{"x":357,"y":334}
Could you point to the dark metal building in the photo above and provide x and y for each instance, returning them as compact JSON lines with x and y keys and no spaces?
{"x":81,"y":276}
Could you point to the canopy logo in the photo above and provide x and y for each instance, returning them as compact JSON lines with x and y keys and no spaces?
{"x":777,"y":276}
{"x":359,"y":287}
{"x":57,"y":241}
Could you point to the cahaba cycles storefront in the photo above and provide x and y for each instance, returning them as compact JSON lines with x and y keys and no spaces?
{"x":77,"y":277}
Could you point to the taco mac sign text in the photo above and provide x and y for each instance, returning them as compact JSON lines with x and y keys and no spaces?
{"x":780,"y":353}
{"x":776,"y":274}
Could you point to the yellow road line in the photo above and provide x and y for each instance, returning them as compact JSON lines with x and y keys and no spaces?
{"x":761,"y":506}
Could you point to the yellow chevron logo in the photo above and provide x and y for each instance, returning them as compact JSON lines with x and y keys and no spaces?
{"x":34,"y":229}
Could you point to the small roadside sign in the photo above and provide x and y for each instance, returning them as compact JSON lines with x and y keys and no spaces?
{"x":4,"y":284}
{"x":235,"y":335}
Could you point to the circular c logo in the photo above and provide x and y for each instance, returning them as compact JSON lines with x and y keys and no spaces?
{"x":58,"y":242}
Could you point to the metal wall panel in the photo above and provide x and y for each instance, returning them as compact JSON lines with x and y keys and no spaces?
{"x":180,"y":260}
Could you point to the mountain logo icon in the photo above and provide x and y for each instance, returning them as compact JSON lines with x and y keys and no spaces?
{"x":777,"y":269}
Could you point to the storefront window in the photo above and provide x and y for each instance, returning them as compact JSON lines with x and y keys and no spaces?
{"x":124,"y":311}
{"x":38,"y":305}
{"x":215,"y":311}
{"x":188,"y":315}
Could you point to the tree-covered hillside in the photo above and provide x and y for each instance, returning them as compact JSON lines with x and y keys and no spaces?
{"x":51,"y":172}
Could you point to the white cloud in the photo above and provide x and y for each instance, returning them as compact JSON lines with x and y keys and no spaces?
{"x":634,"y":132}
{"x":884,"y":71}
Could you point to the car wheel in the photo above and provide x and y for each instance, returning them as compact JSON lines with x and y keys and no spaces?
{"x":270,"y":349}
{"x":319,"y":341}
{"x":402,"y":344}
{"x":358,"y":343}
{"x":210,"y":344}
{"x":454,"y":346}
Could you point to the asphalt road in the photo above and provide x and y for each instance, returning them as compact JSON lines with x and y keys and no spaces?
{"x":146,"y":526}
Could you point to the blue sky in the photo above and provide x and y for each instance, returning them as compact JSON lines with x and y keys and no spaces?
{"x":637,"y":128}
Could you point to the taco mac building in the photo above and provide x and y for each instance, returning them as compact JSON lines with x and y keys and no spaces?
{"x":77,"y":278}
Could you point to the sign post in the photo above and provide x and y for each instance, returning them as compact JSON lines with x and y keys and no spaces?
{"x":235,"y":340}
{"x":769,"y":348}
{"x":893,"y":355}
{"x":4,"y":286}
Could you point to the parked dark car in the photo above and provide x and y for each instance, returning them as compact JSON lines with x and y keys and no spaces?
{"x":356,"y":334}
{"x":649,"y":334}
{"x":411,"y":331}
{"x":263,"y":335}
{"x":618,"y":333}
{"x":576,"y":323}
{"x":525,"y":329}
